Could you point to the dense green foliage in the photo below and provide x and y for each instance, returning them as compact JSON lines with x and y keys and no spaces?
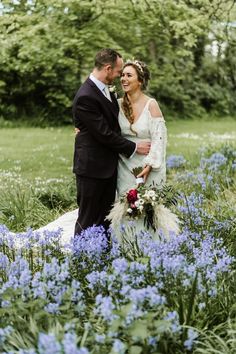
{"x":47,"y":49}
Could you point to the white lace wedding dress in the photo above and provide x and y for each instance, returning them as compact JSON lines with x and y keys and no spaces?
{"x":145,"y":128}
{"x":66,"y":223}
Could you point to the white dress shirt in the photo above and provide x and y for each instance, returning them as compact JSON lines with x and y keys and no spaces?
{"x":101,"y":86}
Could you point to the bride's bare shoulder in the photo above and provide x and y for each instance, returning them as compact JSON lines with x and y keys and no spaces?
{"x":154,"y":109}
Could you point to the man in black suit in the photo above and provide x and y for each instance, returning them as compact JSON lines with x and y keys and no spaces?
{"x":99,"y":141}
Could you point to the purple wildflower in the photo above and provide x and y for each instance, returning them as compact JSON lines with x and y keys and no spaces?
{"x":175,"y":161}
{"x":104,"y":308}
{"x":192,"y":335}
{"x":47,"y":344}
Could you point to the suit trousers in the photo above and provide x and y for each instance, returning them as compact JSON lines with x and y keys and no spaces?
{"x":95,"y":197}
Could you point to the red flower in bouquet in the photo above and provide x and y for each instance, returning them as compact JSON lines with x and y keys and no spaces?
{"x":132,"y":196}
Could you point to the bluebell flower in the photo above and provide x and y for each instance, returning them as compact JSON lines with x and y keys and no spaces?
{"x":152,"y":341}
{"x":125,"y":290}
{"x":96,"y":278}
{"x":189,"y":342}
{"x":118,"y":347}
{"x":5,"y":303}
{"x":214,"y":162}
{"x":39,"y":288}
{"x":173,"y":317}
{"x":115,"y":248}
{"x":4,"y":261}
{"x":201,"y":305}
{"x":4,"y":333}
{"x":77,"y":294}
{"x":175,"y":161}
{"x":120,"y":265}
{"x":147,"y":295}
{"x":104,"y":307}
{"x":100,"y":338}
{"x":52,"y":308}
{"x":134,"y":314}
{"x":69,"y":343}
{"x":91,"y":243}
{"x":47,"y":344}
{"x":83,"y":350}
{"x":138,"y":267}
{"x":212,"y":292}
{"x":25,"y":277}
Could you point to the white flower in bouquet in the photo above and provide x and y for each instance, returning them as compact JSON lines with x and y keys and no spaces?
{"x":148,"y":203}
{"x":151,"y":193}
{"x":140,"y":208}
{"x":141,"y":201}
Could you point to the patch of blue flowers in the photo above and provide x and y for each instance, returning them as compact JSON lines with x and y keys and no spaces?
{"x":94,"y":297}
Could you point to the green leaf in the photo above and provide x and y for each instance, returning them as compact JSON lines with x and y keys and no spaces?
{"x":135,"y":349}
{"x":139,"y":329}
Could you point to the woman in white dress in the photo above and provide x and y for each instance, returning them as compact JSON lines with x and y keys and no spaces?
{"x":140,"y":118}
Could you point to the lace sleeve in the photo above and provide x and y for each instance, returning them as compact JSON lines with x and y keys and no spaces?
{"x":156,"y":156}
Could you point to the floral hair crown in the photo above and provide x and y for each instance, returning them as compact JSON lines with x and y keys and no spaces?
{"x":136,"y":63}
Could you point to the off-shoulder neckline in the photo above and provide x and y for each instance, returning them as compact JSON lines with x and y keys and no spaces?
{"x":160,"y":118}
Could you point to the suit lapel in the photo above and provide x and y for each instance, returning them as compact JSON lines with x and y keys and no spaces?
{"x":113,"y":105}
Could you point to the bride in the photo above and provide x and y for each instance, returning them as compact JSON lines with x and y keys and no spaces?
{"x":140,"y":118}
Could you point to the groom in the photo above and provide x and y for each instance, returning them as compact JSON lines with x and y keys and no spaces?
{"x":99,"y":141}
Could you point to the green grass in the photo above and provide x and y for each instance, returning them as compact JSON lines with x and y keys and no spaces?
{"x":48,"y":153}
{"x":36,"y":152}
{"x":203,"y":133}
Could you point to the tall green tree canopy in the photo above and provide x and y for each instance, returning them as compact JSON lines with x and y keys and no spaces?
{"x":47,"y":49}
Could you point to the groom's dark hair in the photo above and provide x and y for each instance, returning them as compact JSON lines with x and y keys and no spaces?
{"x":106,"y":56}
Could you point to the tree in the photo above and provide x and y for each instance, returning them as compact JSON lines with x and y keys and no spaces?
{"x":48,"y":46}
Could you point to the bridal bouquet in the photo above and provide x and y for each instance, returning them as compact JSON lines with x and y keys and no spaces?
{"x":144,"y":202}
{"x":149,"y":203}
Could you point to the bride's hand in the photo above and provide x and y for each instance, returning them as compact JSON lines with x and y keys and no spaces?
{"x":145,"y":173}
{"x":77,"y":131}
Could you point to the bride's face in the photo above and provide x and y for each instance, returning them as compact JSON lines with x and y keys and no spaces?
{"x":129,"y":80}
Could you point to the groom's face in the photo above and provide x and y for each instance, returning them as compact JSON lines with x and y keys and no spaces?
{"x":113,"y":73}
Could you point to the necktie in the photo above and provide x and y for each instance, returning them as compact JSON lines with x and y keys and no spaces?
{"x":107,"y":93}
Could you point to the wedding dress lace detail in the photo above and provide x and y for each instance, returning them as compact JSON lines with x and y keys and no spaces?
{"x":156,"y":156}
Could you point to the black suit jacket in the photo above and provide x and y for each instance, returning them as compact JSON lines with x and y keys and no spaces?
{"x":99,"y":141}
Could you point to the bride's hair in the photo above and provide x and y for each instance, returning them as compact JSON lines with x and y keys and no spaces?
{"x":143,"y":77}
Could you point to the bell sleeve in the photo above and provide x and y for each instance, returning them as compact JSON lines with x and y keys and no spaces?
{"x":157,"y":153}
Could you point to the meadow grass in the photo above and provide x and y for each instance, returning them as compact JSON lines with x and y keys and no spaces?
{"x":37,"y":152}
{"x":48,"y":152}
{"x":180,"y":290}
{"x":185,"y":137}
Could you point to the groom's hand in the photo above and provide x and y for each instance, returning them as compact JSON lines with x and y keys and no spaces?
{"x":143,"y":147}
